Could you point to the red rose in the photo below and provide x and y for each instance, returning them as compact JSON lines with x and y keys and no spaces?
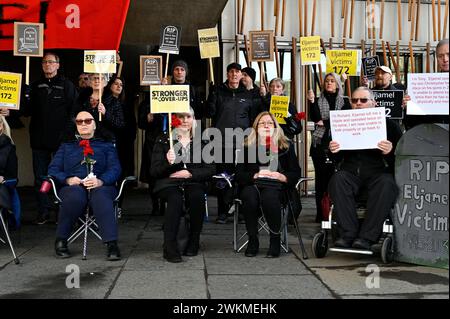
{"x":175,"y":121}
{"x":300,"y":116}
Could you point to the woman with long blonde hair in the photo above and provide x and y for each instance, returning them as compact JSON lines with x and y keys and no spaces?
{"x":266,"y":168}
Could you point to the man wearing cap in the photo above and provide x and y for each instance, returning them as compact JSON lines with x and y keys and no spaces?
{"x":230,"y":105}
{"x":383,"y":78}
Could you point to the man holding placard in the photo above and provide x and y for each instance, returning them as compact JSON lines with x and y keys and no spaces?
{"x":372,"y":169}
{"x":50,"y":103}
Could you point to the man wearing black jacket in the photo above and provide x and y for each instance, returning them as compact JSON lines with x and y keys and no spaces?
{"x":370,"y":169}
{"x":50,"y":105}
{"x":230,"y":105}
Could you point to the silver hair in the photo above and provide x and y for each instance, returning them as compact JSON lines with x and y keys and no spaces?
{"x":363,"y":88}
{"x":337,"y":78}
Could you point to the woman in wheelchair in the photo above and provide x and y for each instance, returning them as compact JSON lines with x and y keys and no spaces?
{"x":371,"y":169}
{"x":267,"y":167}
{"x":181,"y":182}
{"x":86,"y":173}
{"x":8,"y":164}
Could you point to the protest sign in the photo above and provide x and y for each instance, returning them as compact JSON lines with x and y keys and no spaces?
{"x":358,"y":129}
{"x":369,"y":65}
{"x":170,"y":39}
{"x":102,"y":61}
{"x":261,"y":46}
{"x":10,"y":85}
{"x":344,"y":61}
{"x":429,"y":94}
{"x":28,"y":39}
{"x":169,"y":99}
{"x":208,"y":40}
{"x":279,"y":106}
{"x":150,"y":69}
{"x":392,"y":101}
{"x":310,"y":50}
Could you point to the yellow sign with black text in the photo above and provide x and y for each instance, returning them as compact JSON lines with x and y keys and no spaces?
{"x":169,"y":99}
{"x":279,"y":106}
{"x":343,"y":61}
{"x":208,"y":40}
{"x":10,"y":85}
{"x":101,"y":61}
{"x":310,"y":49}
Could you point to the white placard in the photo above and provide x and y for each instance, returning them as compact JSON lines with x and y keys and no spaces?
{"x":429,"y":94}
{"x":358,"y":129}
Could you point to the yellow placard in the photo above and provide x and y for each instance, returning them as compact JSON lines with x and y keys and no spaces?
{"x":103,"y":61}
{"x":343,"y":61}
{"x":310,"y":49}
{"x":208,"y":40}
{"x":279,"y":106}
{"x":169,"y":99}
{"x":10,"y":85}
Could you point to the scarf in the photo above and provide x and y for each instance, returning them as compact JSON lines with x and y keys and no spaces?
{"x":324,"y":108}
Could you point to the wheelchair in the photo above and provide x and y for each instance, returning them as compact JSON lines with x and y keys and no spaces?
{"x":241,"y":241}
{"x":384,"y":246}
{"x":4,"y":219}
{"x":88,"y":224}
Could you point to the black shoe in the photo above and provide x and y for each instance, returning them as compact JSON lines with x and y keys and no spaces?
{"x":61,"y":249}
{"x":112,"y":252}
{"x":361,"y":243}
{"x":252,"y":246}
{"x":193,"y":245}
{"x":274,"y":247}
{"x":343,"y":243}
{"x":222,"y":219}
{"x":171,"y":253}
{"x":42,"y":219}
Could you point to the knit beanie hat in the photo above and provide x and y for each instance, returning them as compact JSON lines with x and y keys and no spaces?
{"x":250,"y":72}
{"x":182,"y":64}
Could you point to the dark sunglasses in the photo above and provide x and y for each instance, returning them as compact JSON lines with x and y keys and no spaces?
{"x":85,"y":121}
{"x":363,"y":100}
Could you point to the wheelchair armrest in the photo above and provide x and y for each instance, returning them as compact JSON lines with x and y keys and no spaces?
{"x":52,"y":181}
{"x":303,"y":179}
{"x":122,"y":184}
{"x":227,"y":178}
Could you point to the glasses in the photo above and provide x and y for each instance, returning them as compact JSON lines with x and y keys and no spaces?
{"x":49,"y":62}
{"x":83,"y":78}
{"x":363,"y":100}
{"x":85,"y":121}
{"x":262,"y":124}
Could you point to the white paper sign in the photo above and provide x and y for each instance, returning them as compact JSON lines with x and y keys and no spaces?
{"x":358,"y":129}
{"x":429,"y":94}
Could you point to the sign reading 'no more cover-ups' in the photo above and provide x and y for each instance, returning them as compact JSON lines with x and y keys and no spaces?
{"x":169,"y":99}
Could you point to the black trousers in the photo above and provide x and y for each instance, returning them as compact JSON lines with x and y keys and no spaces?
{"x":194,"y":196}
{"x":382,"y":193}
{"x":225,"y":195}
{"x":323,"y":172}
{"x":269,"y":200}
{"x":41,"y":161}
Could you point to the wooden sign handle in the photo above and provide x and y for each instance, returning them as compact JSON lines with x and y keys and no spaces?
{"x":244,"y":9}
{"x":167,"y":65}
{"x":211,"y":70}
{"x":27,"y":70}
{"x":399,"y":18}
{"x":100,"y":97}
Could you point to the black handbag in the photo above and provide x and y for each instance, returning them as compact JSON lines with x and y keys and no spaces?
{"x":293,"y":127}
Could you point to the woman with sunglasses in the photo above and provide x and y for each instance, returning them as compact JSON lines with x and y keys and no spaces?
{"x":267,"y":167}
{"x":86,"y":170}
{"x":331,"y":99}
{"x":181,"y":178}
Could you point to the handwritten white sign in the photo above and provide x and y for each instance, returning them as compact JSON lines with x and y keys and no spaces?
{"x":429,"y":94}
{"x":358,"y":129}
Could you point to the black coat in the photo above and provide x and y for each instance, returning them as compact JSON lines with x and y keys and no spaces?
{"x":287,"y":165}
{"x":232,"y":108}
{"x":8,"y":158}
{"x":51,"y":105}
{"x":161,"y":169}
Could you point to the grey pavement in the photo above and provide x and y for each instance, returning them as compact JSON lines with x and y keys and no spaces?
{"x":216,"y":273}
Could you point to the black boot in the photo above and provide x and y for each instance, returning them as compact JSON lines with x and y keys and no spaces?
{"x":274,"y":247}
{"x":171,"y":253}
{"x":61,"y":249}
{"x":193,"y":245}
{"x":252,"y":246}
{"x":112,"y":252}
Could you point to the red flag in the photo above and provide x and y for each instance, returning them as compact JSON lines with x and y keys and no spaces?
{"x":69,"y":24}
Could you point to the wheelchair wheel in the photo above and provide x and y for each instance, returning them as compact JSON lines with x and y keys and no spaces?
{"x":320,"y":245}
{"x":387,"y":250}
